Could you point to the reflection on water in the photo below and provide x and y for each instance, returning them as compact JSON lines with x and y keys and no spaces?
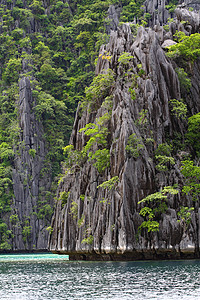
{"x":57,"y":279}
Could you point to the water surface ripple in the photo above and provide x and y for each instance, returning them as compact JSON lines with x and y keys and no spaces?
{"x":58,"y":279}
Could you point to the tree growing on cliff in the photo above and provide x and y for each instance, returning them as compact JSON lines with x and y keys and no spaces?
{"x":187,"y":46}
{"x":99,"y":88}
{"x":193,"y":132}
{"x":191,"y":175}
{"x":156,"y":205}
{"x":157,"y":202}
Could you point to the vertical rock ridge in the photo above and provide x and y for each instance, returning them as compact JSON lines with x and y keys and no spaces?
{"x":30,"y":232}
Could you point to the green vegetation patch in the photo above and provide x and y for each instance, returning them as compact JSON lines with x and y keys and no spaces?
{"x":187,"y":46}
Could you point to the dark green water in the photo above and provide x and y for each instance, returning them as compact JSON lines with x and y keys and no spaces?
{"x":55,"y":278}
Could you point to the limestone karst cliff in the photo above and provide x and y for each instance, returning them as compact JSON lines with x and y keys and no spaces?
{"x":48,"y":52}
{"x":27,"y":179}
{"x":95,"y":221}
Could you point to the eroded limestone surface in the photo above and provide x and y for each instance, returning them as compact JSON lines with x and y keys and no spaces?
{"x":27,"y":181}
{"x":112,"y":218}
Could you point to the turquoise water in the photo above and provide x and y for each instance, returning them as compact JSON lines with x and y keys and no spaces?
{"x":42,"y":277}
{"x":32,"y":257}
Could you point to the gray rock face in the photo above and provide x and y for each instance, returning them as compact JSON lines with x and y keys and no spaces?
{"x":190,"y":17}
{"x":113,"y":18}
{"x":158,"y":11}
{"x":111,"y":218}
{"x":168,"y":43}
{"x":29,"y":231}
{"x":194,"y":4}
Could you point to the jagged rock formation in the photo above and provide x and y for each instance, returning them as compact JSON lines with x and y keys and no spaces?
{"x":113,"y":17}
{"x":27,"y":180}
{"x":190,"y":3}
{"x":111,"y":217}
{"x":160,"y":12}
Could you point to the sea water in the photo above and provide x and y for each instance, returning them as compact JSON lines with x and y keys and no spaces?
{"x":54,"y":277}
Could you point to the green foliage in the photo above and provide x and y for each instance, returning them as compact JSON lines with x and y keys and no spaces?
{"x":89,"y":240}
{"x":159,"y":196}
{"x":56,"y":123}
{"x":134,"y":78}
{"x":166,"y":27}
{"x":5,"y":244}
{"x":149,"y":141}
{"x":164,"y":162}
{"x":3,"y":227}
{"x":133,"y":93}
{"x":141,"y":72}
{"x":26,"y":232}
{"x":191,"y":174}
{"x":11,"y":72}
{"x":108,"y":103}
{"x":98,"y":137}
{"x":147,"y":211}
{"x":157,"y":201}
{"x":134,"y":146}
{"x":32,"y":152}
{"x":131,"y":9}
{"x":178,"y":141}
{"x":6,"y":193}
{"x":163,"y":157}
{"x":184,"y":215}
{"x":125,"y":58}
{"x":109,"y":184}
{"x":134,"y":28}
{"x":193,"y":133}
{"x":64,"y":198}
{"x":59,"y":56}
{"x":82,"y":197}
{"x":187,"y":46}
{"x":5,"y":234}
{"x":147,"y":16}
{"x":37,"y":7}
{"x":101,"y":158}
{"x":171,"y":7}
{"x":81,"y":221}
{"x":150,"y":225}
{"x":185,"y":82}
{"x":49,"y":229}
{"x":45,"y":212}
{"x":6,"y":152}
{"x":104,"y":200}
{"x":14,"y":219}
{"x":17,"y":33}
{"x":142,"y":121}
{"x":100,"y":87}
{"x":164,"y":149}
{"x":179,"y":109}
{"x":74,"y":210}
{"x":73,"y":157}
